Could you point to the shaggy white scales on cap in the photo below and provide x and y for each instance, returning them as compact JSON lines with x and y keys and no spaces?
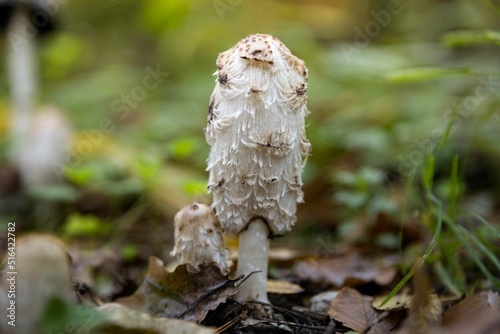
{"x":257,"y":135}
{"x":198,"y":238}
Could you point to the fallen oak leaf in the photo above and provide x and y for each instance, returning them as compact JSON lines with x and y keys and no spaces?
{"x":401,"y":301}
{"x":181,"y":294}
{"x":283,"y":287}
{"x":474,"y":314}
{"x":348,"y":270}
{"x":120,"y":319}
{"x":387,"y":323}
{"x":354,"y":310}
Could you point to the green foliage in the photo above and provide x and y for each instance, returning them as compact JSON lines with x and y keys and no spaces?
{"x":161,"y":15}
{"x":63,"y":53}
{"x":456,"y":237}
{"x":424,"y":73}
{"x":78,"y":225}
{"x":59,"y":317}
{"x":195,"y":188}
{"x":129,"y":252}
{"x":358,"y":191}
{"x":57,"y":192}
{"x":471,"y":37}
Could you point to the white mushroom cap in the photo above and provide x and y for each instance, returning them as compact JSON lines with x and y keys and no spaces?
{"x":40,"y":13}
{"x":257,"y":134}
{"x":198,"y":238}
{"x":46,"y":142}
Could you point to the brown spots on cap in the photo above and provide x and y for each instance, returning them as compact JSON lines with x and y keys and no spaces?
{"x":211,"y":115}
{"x":301,"y":90}
{"x":245,"y":179}
{"x":222,"y":60}
{"x":271,"y":180}
{"x":304,"y":70}
{"x":218,"y":185}
{"x":256,"y":47}
{"x":254,"y":90}
{"x":222,"y":77}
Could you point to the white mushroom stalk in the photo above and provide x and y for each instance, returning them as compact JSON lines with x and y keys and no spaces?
{"x":258,"y":144}
{"x":22,"y":75}
{"x":198,"y":238}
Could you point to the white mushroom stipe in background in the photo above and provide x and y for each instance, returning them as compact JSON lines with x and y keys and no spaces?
{"x":198,"y":238}
{"x":22,"y":76}
{"x":258,"y":144}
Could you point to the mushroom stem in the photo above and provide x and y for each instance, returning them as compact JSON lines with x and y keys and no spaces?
{"x":253,"y":256}
{"x":22,"y":73}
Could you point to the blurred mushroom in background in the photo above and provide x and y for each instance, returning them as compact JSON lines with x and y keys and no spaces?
{"x":23,"y":22}
{"x":45,"y":144}
{"x":39,"y":274}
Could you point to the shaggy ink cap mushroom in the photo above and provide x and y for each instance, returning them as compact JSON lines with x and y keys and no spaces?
{"x":198,"y":238}
{"x":258,"y":145}
{"x":257,"y":134}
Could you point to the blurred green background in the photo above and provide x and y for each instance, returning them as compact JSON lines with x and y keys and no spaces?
{"x":384,"y":79}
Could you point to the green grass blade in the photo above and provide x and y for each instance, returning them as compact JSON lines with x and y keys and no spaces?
{"x":428,"y":173}
{"x":406,"y":199}
{"x":455,"y":187}
{"x":446,"y":278}
{"x":481,"y":246}
{"x":449,"y":125}
{"x":427,"y":252}
{"x":483,"y":221}
{"x":424,"y":74}
{"x":398,"y":287}
{"x":471,"y":37}
{"x":478,"y":261}
{"x":459,"y":233}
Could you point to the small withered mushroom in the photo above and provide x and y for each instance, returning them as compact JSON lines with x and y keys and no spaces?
{"x":258,"y":144}
{"x":40,"y":273}
{"x":198,"y":238}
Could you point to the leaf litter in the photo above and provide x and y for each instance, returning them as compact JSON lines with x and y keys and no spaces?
{"x":181,"y":294}
{"x":332,"y":298}
{"x":350,"y":269}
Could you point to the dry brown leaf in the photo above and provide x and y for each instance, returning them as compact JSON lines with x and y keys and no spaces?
{"x":474,"y":314}
{"x":283,"y":287}
{"x":353,"y":310}
{"x":181,"y":294}
{"x":349,"y":270}
{"x":120,"y":319}
{"x":387,"y":322}
{"x":285,"y":257}
{"x":321,"y":302}
{"x":397,"y":302}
